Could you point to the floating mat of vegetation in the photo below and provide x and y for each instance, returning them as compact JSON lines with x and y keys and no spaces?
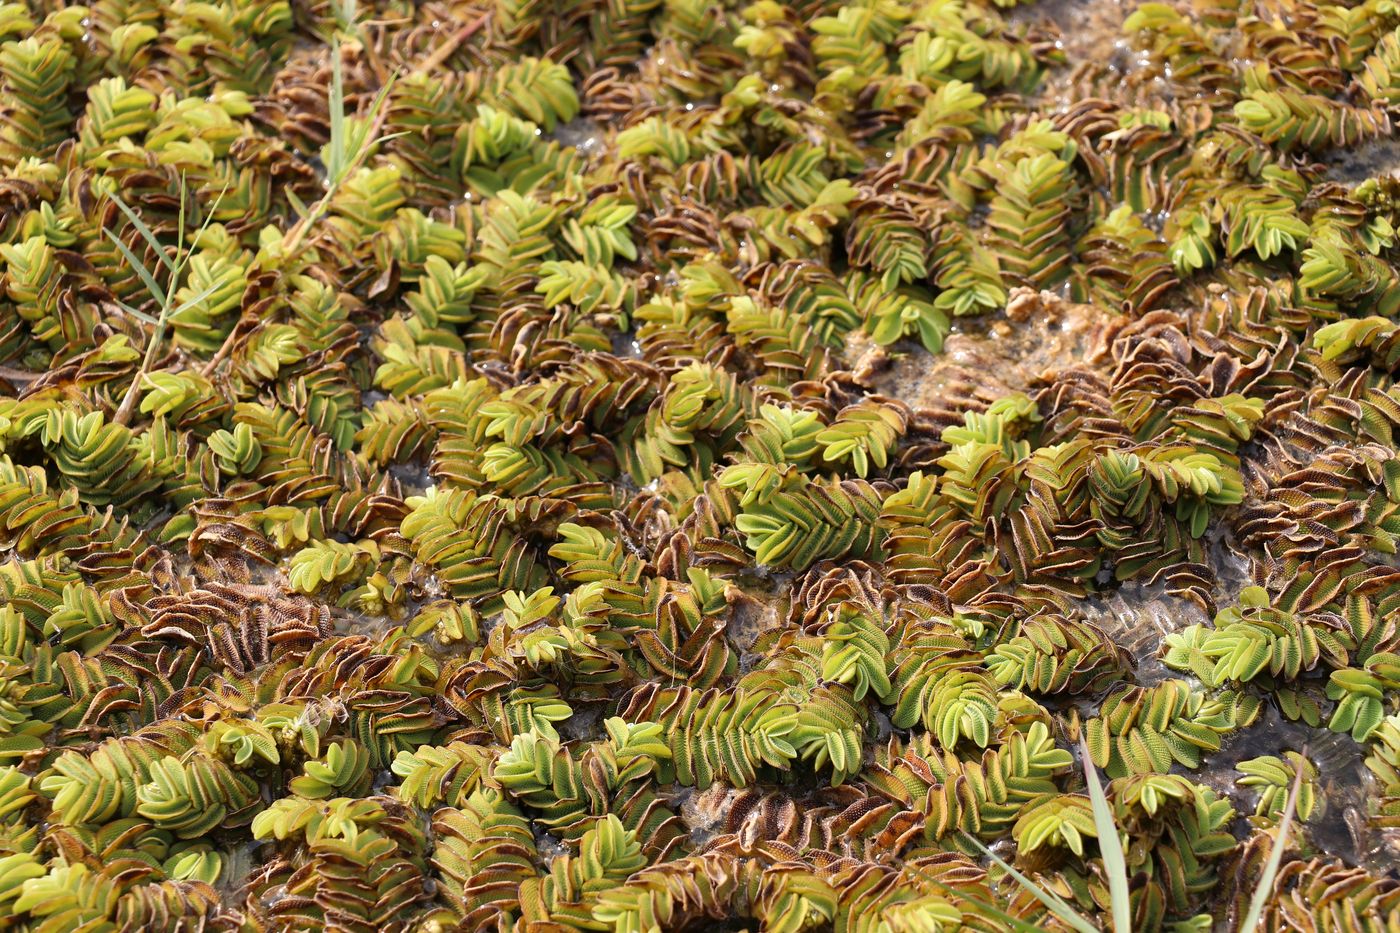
{"x":894,"y":466}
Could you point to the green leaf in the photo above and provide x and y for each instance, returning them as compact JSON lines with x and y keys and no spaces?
{"x":191,"y":302}
{"x":1016,"y":923}
{"x":139,"y":315}
{"x":146,"y":233}
{"x":1265,"y":887}
{"x":1110,"y":845}
{"x":1052,"y":901}
{"x":296,"y":202}
{"x":140,"y":269}
{"x":336,"y":151}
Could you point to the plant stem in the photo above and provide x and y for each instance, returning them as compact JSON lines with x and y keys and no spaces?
{"x":294,"y":237}
{"x":133,"y":391}
{"x":443,"y":52}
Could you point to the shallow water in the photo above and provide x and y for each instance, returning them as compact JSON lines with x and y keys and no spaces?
{"x":1340,"y":828}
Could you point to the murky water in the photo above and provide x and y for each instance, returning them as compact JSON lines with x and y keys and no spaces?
{"x":1339,"y":828}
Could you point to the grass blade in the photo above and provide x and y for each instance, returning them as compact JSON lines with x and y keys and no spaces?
{"x":146,"y":233}
{"x":191,"y":302}
{"x":139,"y":268}
{"x":165,"y":296}
{"x":1265,"y":885}
{"x":1015,"y":923}
{"x":346,"y":13}
{"x":367,"y":137}
{"x":1110,"y":846}
{"x":135,"y":312}
{"x":180,"y":228}
{"x":208,"y":219}
{"x":297,"y":203}
{"x":336,"y":151}
{"x":1053,"y":902}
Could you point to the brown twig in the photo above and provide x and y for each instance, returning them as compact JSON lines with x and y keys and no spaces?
{"x":443,"y":52}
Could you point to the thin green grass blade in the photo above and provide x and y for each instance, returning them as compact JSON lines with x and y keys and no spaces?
{"x":1016,"y":923}
{"x":297,"y":203}
{"x":1052,"y":902}
{"x":191,"y":302}
{"x":1265,"y":886}
{"x":336,"y":151}
{"x":218,"y":199}
{"x":138,"y":314}
{"x":208,"y":219}
{"x":180,"y":236}
{"x":379,"y":101}
{"x":139,"y":268}
{"x":345,"y":14}
{"x":1110,"y":846}
{"x":360,"y":135}
{"x":146,"y":233}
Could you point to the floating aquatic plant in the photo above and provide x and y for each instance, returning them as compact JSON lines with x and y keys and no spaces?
{"x":653,"y":466}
